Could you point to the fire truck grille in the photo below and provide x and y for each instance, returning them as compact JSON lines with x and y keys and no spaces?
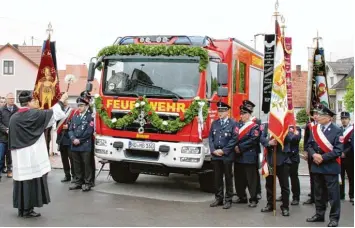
{"x":148,"y":127}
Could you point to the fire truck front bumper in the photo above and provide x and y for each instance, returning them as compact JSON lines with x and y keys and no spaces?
{"x":170,"y":154}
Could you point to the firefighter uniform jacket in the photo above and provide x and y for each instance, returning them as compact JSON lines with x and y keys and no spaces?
{"x":248,"y":145}
{"x":82,"y":128}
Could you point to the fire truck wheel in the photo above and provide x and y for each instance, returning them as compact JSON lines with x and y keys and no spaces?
{"x":120,"y":173}
{"x":207,"y":182}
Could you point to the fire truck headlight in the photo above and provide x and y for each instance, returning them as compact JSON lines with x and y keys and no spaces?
{"x":165,"y":39}
{"x":100,"y":142}
{"x":111,"y":86}
{"x":158,"y":39}
{"x":190,"y":150}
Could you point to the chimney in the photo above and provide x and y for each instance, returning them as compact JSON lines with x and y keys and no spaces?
{"x":15,"y":45}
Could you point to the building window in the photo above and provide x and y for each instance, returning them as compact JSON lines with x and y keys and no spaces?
{"x":331,"y":81}
{"x":235,"y":71}
{"x":242,"y":70}
{"x":18,"y":93}
{"x":340,"y":106}
{"x":332,"y":106}
{"x":8,"y":67}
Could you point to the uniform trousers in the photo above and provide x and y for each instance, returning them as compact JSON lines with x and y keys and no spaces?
{"x":326,"y":187}
{"x":83,"y":167}
{"x":282,"y":173}
{"x":245,"y":175}
{"x":347,"y":165}
{"x":223,"y":168}
{"x":295,"y":182}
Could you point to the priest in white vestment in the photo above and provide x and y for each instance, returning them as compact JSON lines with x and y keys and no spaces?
{"x":28,"y":147}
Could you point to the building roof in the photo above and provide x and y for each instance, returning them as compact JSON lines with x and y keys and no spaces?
{"x":31,"y":53}
{"x":346,"y":60}
{"x":340,"y":67}
{"x":81,"y":74}
{"x":343,"y":82}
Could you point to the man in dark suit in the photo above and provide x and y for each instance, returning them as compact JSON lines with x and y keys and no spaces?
{"x":80,"y":133}
{"x":222,"y":140}
{"x":295,"y":138}
{"x":251,"y":106}
{"x":347,"y":157}
{"x":245,"y":166}
{"x":283,"y":164}
{"x":307,"y":132}
{"x":325,"y":147}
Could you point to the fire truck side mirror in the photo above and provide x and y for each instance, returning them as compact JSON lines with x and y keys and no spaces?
{"x":222,"y":91}
{"x":222,"y":74}
{"x":91,"y":73}
{"x":89,"y":87}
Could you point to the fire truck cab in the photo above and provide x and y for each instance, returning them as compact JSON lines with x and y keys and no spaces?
{"x":171,"y":83}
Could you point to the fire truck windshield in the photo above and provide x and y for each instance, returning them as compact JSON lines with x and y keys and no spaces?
{"x":166,"y":78}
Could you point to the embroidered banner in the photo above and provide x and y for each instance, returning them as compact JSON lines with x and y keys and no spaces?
{"x":269,"y":53}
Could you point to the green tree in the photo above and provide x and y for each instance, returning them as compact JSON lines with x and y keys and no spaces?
{"x":349,"y":95}
{"x":302,"y":117}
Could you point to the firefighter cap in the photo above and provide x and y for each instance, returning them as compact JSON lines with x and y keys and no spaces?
{"x":324,"y":111}
{"x":221,"y":106}
{"x":345,"y":115}
{"x":82,"y":100}
{"x":248,"y":103}
{"x":244,"y":109}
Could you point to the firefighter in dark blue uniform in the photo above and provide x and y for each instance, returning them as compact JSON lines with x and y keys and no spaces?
{"x":80,"y":133}
{"x":295,"y":138}
{"x":251,"y":106}
{"x":347,"y":158}
{"x":283,"y":163}
{"x":222,"y":140}
{"x":325,"y":167}
{"x":247,"y":148}
{"x":307,"y":132}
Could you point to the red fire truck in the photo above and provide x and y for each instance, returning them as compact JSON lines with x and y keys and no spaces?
{"x":135,"y":71}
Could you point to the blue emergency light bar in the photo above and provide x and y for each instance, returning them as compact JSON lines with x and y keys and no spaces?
{"x":200,"y":41}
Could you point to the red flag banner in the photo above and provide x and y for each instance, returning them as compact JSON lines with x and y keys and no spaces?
{"x":46,"y":90}
{"x":290,"y":119}
{"x":279,"y":107}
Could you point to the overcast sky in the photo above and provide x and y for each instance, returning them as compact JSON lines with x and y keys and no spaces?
{"x":82,"y":28}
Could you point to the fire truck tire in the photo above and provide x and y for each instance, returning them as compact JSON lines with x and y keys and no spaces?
{"x":120,"y":173}
{"x":207,"y":182}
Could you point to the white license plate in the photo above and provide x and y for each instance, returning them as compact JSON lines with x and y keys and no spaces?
{"x":141,"y":145}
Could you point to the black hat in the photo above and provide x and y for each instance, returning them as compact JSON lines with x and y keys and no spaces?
{"x":82,"y":100}
{"x":244,"y":109}
{"x":344,"y":115}
{"x":25,"y":96}
{"x":222,"y":106}
{"x":248,"y":103}
{"x":85,"y":94}
{"x":326,"y":111}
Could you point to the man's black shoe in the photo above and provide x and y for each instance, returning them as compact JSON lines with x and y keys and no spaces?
{"x":267,"y":209}
{"x":241,"y":201}
{"x":85,"y":187}
{"x":252,"y":204}
{"x":4,"y":170}
{"x":74,"y":187}
{"x":285,"y":212}
{"x":227,"y":205}
{"x":309,"y":201}
{"x":315,"y":218}
{"x":258,"y":196}
{"x":66,"y":179}
{"x":279,"y":199}
{"x":295,"y":202}
{"x":333,"y":224}
{"x":20,"y":213}
{"x":309,"y":194}
{"x":216,"y":203}
{"x":31,"y":214}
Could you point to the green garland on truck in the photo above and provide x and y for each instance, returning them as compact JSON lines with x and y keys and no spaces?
{"x":155,"y":50}
{"x":142,"y":104}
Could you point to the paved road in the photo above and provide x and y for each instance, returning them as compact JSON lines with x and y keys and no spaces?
{"x":152,"y":201}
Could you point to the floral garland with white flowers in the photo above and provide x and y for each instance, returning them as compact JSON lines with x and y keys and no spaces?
{"x":143,"y":112}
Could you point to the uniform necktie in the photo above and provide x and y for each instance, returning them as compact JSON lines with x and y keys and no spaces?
{"x":323,"y":128}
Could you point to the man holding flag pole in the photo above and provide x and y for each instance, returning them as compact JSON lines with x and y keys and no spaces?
{"x":274,"y":136}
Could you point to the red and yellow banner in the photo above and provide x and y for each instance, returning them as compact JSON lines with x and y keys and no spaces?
{"x":278,"y":128}
{"x":46,"y":90}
